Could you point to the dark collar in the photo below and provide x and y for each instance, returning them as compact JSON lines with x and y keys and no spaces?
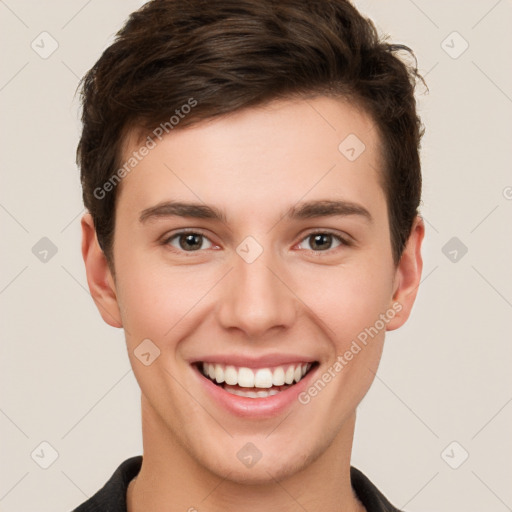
{"x":112,"y":496}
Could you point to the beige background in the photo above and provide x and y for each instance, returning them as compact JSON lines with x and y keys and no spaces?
{"x":65,"y":377}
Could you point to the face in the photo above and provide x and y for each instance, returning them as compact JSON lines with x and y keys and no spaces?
{"x":256,"y":249}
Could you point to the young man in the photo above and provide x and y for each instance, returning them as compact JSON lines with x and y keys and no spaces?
{"x":252,"y":178}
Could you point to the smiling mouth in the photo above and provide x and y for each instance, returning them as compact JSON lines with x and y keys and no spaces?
{"x":255,"y":382}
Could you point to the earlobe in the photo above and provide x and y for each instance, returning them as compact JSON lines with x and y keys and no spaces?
{"x":99,"y":278}
{"x":408,"y":276}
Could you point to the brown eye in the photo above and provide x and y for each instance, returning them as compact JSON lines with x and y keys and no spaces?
{"x":188,"y":241}
{"x":323,"y":241}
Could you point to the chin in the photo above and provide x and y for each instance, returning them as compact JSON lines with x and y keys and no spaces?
{"x":275,"y":462}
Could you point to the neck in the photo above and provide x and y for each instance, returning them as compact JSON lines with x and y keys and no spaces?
{"x":171,"y":479}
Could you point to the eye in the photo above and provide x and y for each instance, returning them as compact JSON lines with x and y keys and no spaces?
{"x":188,"y":241}
{"x":323,"y":241}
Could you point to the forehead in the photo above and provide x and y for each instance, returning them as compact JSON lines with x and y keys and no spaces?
{"x":260,"y":157}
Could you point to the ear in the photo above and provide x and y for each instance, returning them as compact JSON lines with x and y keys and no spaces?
{"x":407,"y":276}
{"x":99,"y":278}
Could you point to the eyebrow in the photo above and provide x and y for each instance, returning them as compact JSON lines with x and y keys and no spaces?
{"x":306,"y":210}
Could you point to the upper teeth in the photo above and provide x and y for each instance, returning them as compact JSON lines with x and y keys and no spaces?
{"x":257,"y":378}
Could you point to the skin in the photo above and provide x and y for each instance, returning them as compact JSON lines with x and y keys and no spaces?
{"x":253,"y":165}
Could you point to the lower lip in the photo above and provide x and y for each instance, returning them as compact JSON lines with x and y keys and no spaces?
{"x":246,"y":407}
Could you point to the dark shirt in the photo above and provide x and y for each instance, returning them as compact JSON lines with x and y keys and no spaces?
{"x":112,"y":496}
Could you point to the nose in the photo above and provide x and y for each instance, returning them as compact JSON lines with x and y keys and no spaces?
{"x":257,"y":298}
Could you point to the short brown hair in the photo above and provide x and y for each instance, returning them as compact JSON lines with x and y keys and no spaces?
{"x":232,"y":54}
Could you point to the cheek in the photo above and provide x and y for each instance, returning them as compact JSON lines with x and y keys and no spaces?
{"x":152,"y":302}
{"x":348,"y":299}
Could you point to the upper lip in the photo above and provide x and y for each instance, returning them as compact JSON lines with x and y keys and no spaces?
{"x":264,"y":361}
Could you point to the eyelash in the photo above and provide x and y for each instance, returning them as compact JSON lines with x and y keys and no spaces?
{"x":343,"y":241}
